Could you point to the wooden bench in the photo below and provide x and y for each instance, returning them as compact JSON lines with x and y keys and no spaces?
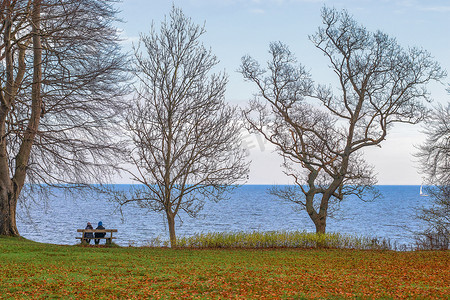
{"x":84,"y":239}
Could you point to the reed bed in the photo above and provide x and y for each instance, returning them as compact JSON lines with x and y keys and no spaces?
{"x":281,"y":239}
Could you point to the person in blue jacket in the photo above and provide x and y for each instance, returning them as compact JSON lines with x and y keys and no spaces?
{"x":99,"y":234}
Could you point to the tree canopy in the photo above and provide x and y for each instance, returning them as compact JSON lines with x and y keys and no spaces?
{"x":61,"y":76}
{"x":320,"y":130}
{"x":434,"y":156}
{"x":186,"y":139}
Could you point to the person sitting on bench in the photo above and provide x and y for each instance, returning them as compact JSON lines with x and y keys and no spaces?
{"x":89,"y":234}
{"x":99,"y":234}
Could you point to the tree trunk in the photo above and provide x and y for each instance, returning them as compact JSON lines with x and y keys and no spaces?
{"x":8,"y":204}
{"x":10,"y":188}
{"x":7,"y":201}
{"x":171,"y":222}
{"x":321,"y":223}
{"x":319,"y":218}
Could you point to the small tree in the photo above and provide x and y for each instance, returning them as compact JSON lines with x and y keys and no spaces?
{"x":434,"y":157}
{"x":186,"y":139}
{"x":380,"y":84}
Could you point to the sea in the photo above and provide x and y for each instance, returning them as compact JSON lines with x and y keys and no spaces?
{"x":248,"y":208}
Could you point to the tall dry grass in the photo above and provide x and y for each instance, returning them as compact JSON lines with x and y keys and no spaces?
{"x":281,"y":239}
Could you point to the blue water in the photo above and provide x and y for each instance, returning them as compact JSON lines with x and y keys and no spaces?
{"x":249,"y":208}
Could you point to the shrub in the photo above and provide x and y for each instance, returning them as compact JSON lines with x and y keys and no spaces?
{"x":433,"y":239}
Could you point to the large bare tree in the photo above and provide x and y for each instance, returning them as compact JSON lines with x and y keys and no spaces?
{"x":320,"y":131}
{"x":186,"y":138}
{"x":434,"y":155}
{"x":60,"y":84}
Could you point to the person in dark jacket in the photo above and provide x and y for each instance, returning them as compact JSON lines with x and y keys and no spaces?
{"x":99,"y":234}
{"x":88,"y":235}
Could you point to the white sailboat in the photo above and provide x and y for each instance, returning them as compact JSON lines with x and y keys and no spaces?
{"x":421,"y":191}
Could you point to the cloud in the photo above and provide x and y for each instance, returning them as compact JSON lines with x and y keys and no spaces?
{"x":424,"y":6}
{"x":304,"y":1}
{"x":257,"y":11}
{"x":256,"y":4}
{"x":249,"y":2}
{"x":127,"y":40}
{"x":435,"y":8}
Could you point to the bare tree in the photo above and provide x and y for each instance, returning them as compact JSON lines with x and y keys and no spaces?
{"x":60,"y":83}
{"x":320,"y":131}
{"x":434,"y":157}
{"x":186,"y":139}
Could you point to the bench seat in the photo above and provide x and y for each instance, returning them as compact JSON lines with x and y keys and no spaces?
{"x":93,"y":231}
{"x":95,"y":238}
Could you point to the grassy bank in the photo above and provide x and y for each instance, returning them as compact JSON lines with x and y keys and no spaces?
{"x":33,"y":270}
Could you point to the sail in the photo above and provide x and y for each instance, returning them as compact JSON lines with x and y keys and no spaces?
{"x":421,"y":191}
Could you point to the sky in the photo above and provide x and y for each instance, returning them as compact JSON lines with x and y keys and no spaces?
{"x":235,"y":28}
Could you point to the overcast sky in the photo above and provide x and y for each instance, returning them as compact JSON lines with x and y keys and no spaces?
{"x":238,"y":27}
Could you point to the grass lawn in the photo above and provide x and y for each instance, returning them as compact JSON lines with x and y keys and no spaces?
{"x":38,"y":271}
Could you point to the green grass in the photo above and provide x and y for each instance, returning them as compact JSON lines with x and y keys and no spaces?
{"x":42,"y":271}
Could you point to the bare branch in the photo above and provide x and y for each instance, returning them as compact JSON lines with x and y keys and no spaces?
{"x":380,"y":84}
{"x":186,"y":139}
